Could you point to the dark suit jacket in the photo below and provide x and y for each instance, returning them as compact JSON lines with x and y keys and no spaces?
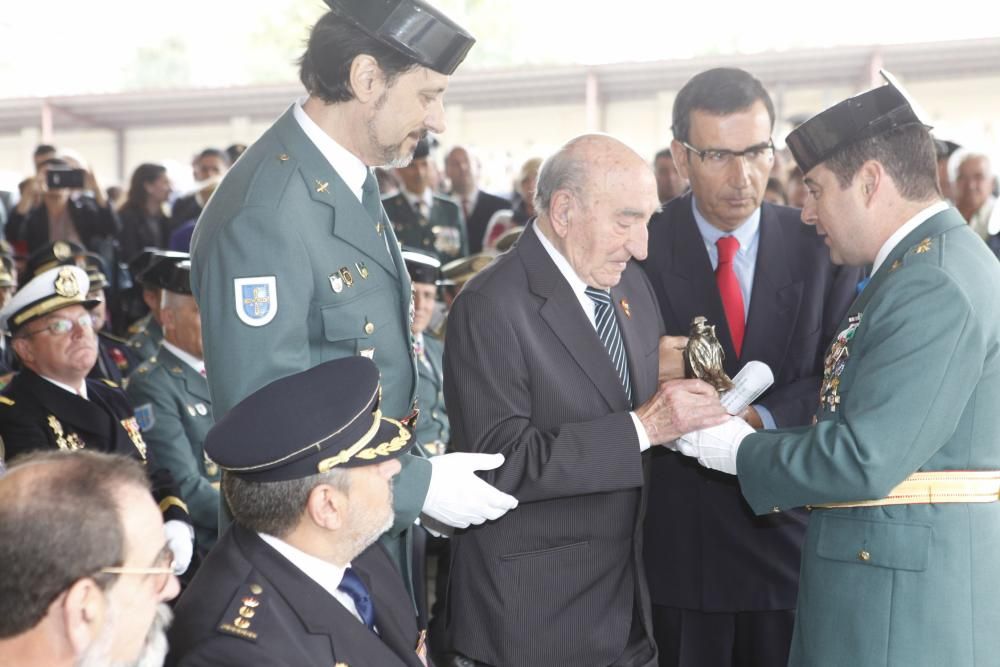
{"x":475,"y":224}
{"x":37,"y":415}
{"x":295,"y":622}
{"x":91,"y":221}
{"x":558,"y":580}
{"x":705,"y":549}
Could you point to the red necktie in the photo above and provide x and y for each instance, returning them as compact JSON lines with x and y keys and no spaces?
{"x":729,"y":290}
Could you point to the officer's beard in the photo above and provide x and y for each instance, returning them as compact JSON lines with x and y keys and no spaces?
{"x":389,"y":155}
{"x":370,"y":525}
{"x":154,"y":649}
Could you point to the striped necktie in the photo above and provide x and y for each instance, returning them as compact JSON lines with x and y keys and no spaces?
{"x":607,"y":329}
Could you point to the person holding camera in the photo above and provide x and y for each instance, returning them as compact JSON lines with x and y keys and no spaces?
{"x":62,"y":203}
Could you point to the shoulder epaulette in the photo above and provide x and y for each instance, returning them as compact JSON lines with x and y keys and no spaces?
{"x":6,"y":401}
{"x":243,"y":612}
{"x":110,"y":383}
{"x":112,"y":337}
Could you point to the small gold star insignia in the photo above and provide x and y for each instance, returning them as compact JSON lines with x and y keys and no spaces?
{"x":322,"y":186}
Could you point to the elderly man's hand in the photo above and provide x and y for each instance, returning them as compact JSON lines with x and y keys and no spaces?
{"x":672,"y":357}
{"x":679,"y":407}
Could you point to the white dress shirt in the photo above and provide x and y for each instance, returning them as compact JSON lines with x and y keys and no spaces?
{"x":194,"y":362}
{"x":579,"y":290}
{"x":324,"y":573}
{"x":344,"y":162}
{"x":82,"y":391}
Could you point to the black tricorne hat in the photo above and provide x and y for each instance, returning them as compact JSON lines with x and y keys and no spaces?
{"x":860,"y":117}
{"x":308,"y":423}
{"x":413,"y":28}
{"x":170,"y":273}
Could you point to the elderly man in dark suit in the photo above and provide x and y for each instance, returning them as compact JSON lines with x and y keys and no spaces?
{"x":723,"y":581}
{"x":553,"y":358}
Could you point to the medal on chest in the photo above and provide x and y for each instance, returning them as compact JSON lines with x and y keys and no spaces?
{"x":835,"y":363}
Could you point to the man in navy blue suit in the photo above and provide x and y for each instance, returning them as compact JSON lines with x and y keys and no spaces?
{"x":723,"y":582}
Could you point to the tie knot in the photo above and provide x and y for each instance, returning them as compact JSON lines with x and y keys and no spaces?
{"x":727,"y":245}
{"x":370,"y":186}
{"x":598,"y":296}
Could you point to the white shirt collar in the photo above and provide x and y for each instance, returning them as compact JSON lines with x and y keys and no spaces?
{"x":194,"y":362}
{"x":347,"y":165}
{"x":907,"y":227}
{"x":711,"y":234}
{"x":575,"y":282}
{"x":82,"y":391}
{"x":327,"y":575}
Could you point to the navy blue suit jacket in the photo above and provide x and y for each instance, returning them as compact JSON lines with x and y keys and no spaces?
{"x":704,"y":548}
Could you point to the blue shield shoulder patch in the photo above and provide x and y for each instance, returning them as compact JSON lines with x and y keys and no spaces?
{"x":256,"y":299}
{"x":145,"y":417}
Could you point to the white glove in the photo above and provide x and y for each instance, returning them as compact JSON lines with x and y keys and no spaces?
{"x":180,"y":539}
{"x":457,"y":497}
{"x":716,"y":447}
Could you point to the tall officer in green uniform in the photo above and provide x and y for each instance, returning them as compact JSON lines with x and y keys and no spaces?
{"x":432,"y":429}
{"x":902,"y":467}
{"x":172,"y":405}
{"x":294,"y":261}
{"x":422,"y":218}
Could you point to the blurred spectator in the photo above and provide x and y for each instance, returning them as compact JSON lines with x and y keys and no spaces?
{"x":477,"y":206}
{"x":147,"y":332}
{"x":208,"y":168}
{"x":944,"y":150}
{"x":387,"y":183}
{"x":116,"y":196}
{"x":234,"y":152}
{"x":143,"y":220}
{"x":973,"y":190}
{"x":669,"y":182}
{"x":46,"y":214}
{"x":8,"y":285}
{"x":87,"y":571}
{"x":114,"y":359}
{"x":421,"y":218}
{"x":43,"y":153}
{"x":795,"y":190}
{"x":524,"y":208}
{"x":774,"y":193}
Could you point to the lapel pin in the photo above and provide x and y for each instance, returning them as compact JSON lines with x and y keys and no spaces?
{"x":345,"y":273}
{"x":362,"y":269}
{"x":336,"y":283}
{"x":626,"y":308}
{"x":322,"y":186}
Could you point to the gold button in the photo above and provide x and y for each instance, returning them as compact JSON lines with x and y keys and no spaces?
{"x":864,"y":555}
{"x":775,"y":509}
{"x":247,"y":612}
{"x":369,"y":328}
{"x":256,"y":589}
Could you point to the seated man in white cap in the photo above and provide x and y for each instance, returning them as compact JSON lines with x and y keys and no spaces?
{"x":298,"y":579}
{"x":52,"y":404}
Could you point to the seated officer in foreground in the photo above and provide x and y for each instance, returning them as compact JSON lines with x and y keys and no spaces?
{"x":52,"y":404}
{"x":298,"y":579}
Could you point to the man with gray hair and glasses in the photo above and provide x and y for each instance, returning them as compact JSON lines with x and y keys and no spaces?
{"x":87,"y":570}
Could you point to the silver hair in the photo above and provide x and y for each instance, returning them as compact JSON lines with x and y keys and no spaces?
{"x":564,"y":170}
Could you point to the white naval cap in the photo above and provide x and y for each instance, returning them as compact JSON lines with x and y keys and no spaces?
{"x":45,"y":293}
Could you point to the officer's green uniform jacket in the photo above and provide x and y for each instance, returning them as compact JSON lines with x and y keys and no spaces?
{"x":174,"y":412}
{"x":432,"y":426}
{"x":316,"y":282}
{"x":915,"y":380}
{"x":146,"y":340}
{"x":442,"y":232}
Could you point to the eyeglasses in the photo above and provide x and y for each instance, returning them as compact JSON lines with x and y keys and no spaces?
{"x":720,"y":158}
{"x":62,"y":325}
{"x":163,"y":567}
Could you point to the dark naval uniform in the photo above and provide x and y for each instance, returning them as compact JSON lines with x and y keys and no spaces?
{"x":441,"y":231}
{"x":37,"y":415}
{"x":145,"y":337}
{"x":248,"y":605}
{"x":174,"y":412}
{"x":115,"y":359}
